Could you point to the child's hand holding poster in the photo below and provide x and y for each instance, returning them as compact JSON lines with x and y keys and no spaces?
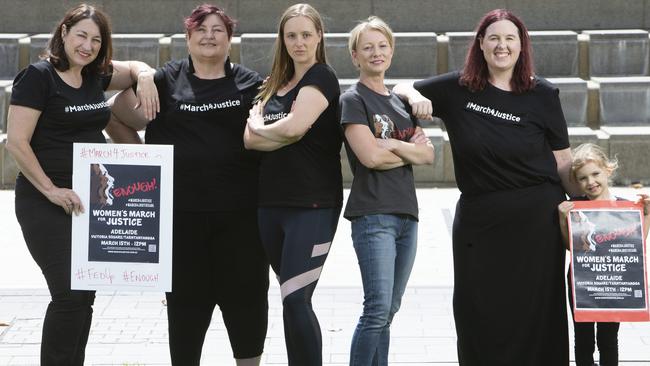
{"x":608,"y":261}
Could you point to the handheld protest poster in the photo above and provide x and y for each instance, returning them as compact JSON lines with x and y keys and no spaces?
{"x":608,"y":262}
{"x":123,"y":240}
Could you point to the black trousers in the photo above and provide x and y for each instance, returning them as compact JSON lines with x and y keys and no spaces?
{"x":47,"y":232}
{"x":217,"y":260}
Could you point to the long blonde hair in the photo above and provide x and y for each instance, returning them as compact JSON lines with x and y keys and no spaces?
{"x":283,"y":70}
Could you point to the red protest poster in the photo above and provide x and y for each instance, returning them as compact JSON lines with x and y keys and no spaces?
{"x":608,"y":262}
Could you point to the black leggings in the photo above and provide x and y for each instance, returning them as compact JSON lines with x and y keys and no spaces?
{"x":606,"y":335}
{"x":47,"y":232}
{"x":217,"y":260}
{"x":297,"y":241}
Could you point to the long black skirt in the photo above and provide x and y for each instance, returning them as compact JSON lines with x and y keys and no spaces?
{"x":509,"y":292}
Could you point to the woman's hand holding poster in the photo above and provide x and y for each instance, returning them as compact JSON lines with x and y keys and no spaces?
{"x":123,"y":240}
{"x":608,"y":262}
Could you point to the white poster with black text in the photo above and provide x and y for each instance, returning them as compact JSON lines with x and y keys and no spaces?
{"x":123,"y":239}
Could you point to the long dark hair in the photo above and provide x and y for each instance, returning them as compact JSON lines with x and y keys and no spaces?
{"x":55,"y":49}
{"x":475,"y":72}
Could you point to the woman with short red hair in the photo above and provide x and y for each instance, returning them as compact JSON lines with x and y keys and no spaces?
{"x":511,"y":157}
{"x":218,"y":258}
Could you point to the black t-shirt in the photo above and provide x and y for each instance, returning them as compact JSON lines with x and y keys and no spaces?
{"x":499,"y":140}
{"x":68,"y":115}
{"x":306,"y":173}
{"x":204,"y":119}
{"x":379,"y":191}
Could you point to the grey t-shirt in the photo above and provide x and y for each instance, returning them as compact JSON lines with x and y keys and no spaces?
{"x":379,"y":191}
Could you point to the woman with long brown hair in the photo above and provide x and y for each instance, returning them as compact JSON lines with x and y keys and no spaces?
{"x":300,"y":191}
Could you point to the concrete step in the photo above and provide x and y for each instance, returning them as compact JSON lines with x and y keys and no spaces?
{"x":557,"y":54}
{"x":574,"y":96}
{"x":415,"y":54}
{"x":8,"y":167}
{"x":624,"y":101}
{"x":36,"y":44}
{"x":629,"y":144}
{"x":141,"y":47}
{"x":10,"y":54}
{"x":618,"y":52}
{"x":5,"y":92}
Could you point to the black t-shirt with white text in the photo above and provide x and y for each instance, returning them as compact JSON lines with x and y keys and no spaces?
{"x":500,"y":140}
{"x":68,"y":115}
{"x":373,"y":191}
{"x":204,"y":119}
{"x":306,"y":173}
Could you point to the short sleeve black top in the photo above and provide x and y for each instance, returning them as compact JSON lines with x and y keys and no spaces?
{"x":204,"y":119}
{"x":68,"y":115}
{"x":499,"y":140}
{"x":379,"y":191}
{"x":306,"y":173}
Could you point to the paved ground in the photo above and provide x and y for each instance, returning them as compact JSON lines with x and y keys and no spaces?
{"x":130,"y":328}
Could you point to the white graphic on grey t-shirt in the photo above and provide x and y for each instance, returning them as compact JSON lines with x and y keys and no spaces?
{"x":384,"y":127}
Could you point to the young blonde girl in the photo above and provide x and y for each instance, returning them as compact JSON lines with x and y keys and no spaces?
{"x":592,"y":170}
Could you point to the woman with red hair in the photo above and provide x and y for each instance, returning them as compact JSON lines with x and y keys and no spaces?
{"x":218,"y":258}
{"x":511,"y":157}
